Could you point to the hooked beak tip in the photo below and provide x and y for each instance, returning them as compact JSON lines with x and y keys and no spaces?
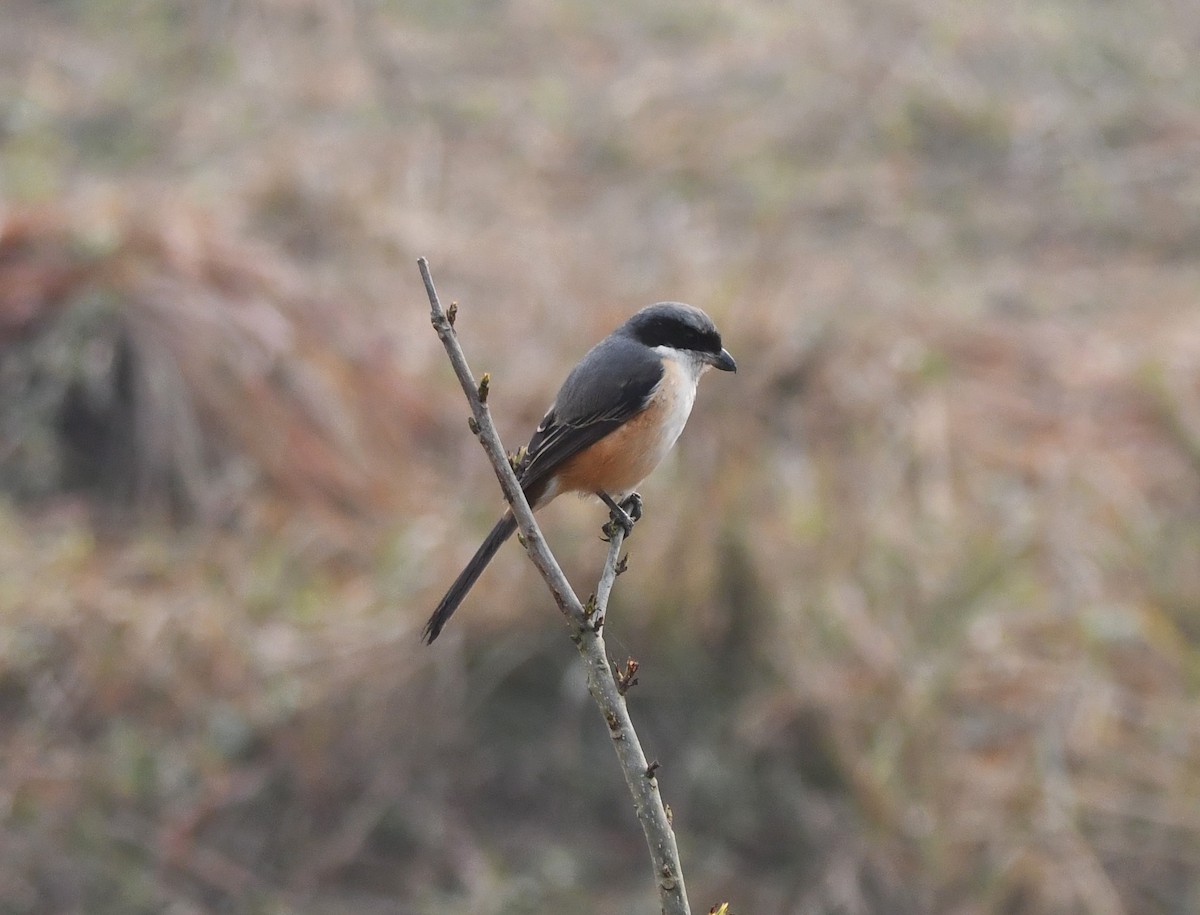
{"x":724,"y":362}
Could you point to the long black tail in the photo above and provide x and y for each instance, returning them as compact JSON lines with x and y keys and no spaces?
{"x":502,"y":531}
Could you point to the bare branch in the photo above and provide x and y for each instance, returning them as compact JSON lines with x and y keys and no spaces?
{"x":586,"y":627}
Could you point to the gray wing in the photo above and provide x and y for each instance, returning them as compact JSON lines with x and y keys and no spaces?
{"x":611,"y":384}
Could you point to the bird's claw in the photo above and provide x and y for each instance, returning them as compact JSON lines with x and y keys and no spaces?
{"x":618,"y":519}
{"x":633,"y":506}
{"x":624,"y":515}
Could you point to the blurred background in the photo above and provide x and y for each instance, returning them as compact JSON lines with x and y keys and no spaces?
{"x":917,"y":599}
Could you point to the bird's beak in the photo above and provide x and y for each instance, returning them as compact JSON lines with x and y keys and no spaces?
{"x":723,"y":361}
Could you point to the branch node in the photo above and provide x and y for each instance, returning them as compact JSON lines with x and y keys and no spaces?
{"x":452,"y":313}
{"x":485,"y":383}
{"x":622,"y":565}
{"x":627,"y":678}
{"x":652,"y":768}
{"x":473,"y":425}
{"x":593,"y":615}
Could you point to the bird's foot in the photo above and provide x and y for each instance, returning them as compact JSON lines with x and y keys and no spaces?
{"x":625,"y":515}
{"x":633,"y":506}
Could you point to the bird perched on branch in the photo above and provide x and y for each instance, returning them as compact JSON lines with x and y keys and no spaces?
{"x":614,"y":419}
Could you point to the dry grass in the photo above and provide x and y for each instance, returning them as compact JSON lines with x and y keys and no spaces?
{"x":930,"y":641}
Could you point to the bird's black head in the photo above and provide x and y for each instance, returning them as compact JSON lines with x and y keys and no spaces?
{"x":682,"y":327}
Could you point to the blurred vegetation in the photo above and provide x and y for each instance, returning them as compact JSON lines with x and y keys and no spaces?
{"x":917,"y":607}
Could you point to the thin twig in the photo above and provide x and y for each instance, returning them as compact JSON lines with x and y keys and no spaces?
{"x":585,"y":631}
{"x":612,"y":568}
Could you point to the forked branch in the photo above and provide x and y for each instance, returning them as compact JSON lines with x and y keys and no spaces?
{"x":585,"y":623}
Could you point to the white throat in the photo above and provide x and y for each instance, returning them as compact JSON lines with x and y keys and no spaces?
{"x":681,"y":372}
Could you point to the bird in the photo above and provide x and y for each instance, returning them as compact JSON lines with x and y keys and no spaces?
{"x":617,"y":414}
